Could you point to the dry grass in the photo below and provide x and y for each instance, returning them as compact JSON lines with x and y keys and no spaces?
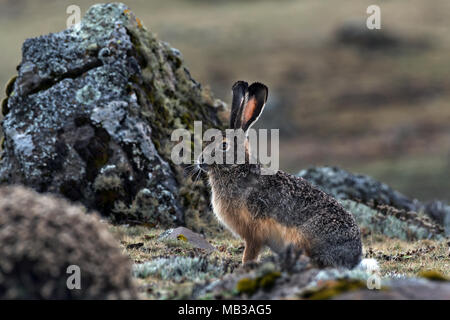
{"x":396,"y":257}
{"x":150,"y":247}
{"x":228,"y":247}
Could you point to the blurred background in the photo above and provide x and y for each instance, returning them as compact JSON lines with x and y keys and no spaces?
{"x":371,"y":101}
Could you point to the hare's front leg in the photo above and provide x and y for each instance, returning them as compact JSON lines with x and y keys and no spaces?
{"x":251,"y":251}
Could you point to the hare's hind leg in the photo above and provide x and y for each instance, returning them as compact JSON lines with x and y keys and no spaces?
{"x":346,"y":255}
{"x":251,"y":251}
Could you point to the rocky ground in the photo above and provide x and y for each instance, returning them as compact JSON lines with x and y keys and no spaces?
{"x":411,"y":247}
{"x":88,"y":118}
{"x":176,"y":269}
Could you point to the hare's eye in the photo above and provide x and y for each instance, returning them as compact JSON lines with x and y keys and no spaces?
{"x":225,"y":146}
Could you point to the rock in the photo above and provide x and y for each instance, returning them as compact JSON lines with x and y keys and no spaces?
{"x":440,"y":212}
{"x":344,"y":185}
{"x":392,"y":222}
{"x":90,"y":117}
{"x":184,"y":234}
{"x":42,"y":236}
{"x":269,"y":280}
{"x":410,"y":289}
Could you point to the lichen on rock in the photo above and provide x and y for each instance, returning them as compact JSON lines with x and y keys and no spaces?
{"x":270,"y":280}
{"x":404,"y":214}
{"x":186,"y":235}
{"x":90,"y":114}
{"x":345,"y":185}
{"x":393,"y":222}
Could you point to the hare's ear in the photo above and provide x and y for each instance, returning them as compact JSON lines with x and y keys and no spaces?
{"x":239,"y":96}
{"x":257,"y":97}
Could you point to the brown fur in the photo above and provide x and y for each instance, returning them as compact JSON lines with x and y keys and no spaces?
{"x":278,"y":210}
{"x":257,"y":232}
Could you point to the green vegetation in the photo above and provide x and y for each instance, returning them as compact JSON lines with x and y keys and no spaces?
{"x":332,"y":288}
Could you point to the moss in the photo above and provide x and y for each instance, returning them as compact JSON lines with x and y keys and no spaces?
{"x":186,"y":119}
{"x":332,"y":288}
{"x":10,"y":86}
{"x":103,"y":182}
{"x":432,"y":275}
{"x":266,"y":281}
{"x":247,"y":285}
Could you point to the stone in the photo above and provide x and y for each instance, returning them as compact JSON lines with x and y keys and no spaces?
{"x":184,"y":234}
{"x":90,"y":115}
{"x":345,"y":185}
{"x":392,"y":222}
{"x":440,"y":212}
{"x":409,"y":289}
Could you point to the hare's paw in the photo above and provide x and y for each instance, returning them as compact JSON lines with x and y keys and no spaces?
{"x":251,"y":252}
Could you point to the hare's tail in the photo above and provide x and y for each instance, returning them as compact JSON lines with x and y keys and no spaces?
{"x":369,"y":265}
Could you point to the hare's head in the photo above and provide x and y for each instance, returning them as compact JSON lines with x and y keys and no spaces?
{"x":233,"y":147}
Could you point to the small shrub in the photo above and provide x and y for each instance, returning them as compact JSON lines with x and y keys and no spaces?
{"x":178,"y":268}
{"x":41,"y":236}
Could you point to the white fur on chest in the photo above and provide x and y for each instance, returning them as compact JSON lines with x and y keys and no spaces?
{"x":221,"y":209}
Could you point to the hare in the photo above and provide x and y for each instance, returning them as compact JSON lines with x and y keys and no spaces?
{"x":278,"y":210}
